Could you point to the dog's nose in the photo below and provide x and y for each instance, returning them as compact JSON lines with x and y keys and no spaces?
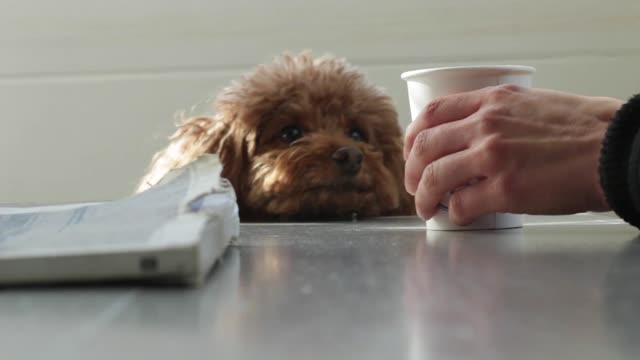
{"x":348,"y":160}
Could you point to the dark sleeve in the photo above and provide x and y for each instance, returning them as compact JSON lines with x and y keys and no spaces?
{"x":620,"y":162}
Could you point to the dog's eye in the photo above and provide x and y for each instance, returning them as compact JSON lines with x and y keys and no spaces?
{"x":290,"y":134}
{"x":357,"y":134}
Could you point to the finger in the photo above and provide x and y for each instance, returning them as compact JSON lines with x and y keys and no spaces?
{"x":432,"y":144}
{"x":471,"y":202}
{"x":442,"y":176}
{"x":442,"y":110}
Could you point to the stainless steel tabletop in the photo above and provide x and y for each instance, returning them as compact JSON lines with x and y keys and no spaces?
{"x":561,"y":288}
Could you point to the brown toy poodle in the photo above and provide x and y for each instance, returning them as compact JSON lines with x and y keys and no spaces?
{"x":300,"y":138}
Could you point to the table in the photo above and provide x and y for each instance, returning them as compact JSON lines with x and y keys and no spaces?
{"x":560,"y":288}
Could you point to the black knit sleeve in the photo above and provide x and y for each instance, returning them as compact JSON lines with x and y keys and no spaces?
{"x":620,"y":162}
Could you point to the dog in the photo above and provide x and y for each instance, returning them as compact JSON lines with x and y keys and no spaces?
{"x":299,"y":138}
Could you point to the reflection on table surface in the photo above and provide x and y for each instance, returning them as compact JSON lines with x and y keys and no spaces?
{"x":561,"y":287}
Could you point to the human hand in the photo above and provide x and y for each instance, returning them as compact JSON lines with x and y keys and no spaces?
{"x":533,"y":151}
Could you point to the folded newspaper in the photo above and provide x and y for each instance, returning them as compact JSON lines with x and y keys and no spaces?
{"x":175,"y":231}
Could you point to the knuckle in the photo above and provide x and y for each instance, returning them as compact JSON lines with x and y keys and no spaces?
{"x":500,"y":93}
{"x":487,"y":126}
{"x":432,"y":110}
{"x":494,"y":146}
{"x":421,"y":143}
{"x":496,"y":112}
{"x":493,"y":152}
{"x":490,"y":119}
{"x":513,"y":88}
{"x":506,"y":186}
{"x":430,"y":176}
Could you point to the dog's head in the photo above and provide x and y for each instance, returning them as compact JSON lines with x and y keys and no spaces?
{"x":304,"y":138}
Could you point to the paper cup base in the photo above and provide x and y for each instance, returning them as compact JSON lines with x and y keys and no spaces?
{"x":440,"y":221}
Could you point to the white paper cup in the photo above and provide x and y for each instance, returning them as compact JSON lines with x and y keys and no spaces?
{"x":427,"y":84}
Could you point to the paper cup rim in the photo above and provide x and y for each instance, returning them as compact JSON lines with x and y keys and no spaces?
{"x":497,"y":69}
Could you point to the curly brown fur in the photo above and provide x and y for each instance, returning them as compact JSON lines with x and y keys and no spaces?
{"x":329,"y":102}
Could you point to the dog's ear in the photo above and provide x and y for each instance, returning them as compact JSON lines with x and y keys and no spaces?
{"x":193,"y":138}
{"x":391,"y":142}
{"x":395,"y":162}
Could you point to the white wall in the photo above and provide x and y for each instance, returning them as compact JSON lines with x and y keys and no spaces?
{"x":89,"y":89}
